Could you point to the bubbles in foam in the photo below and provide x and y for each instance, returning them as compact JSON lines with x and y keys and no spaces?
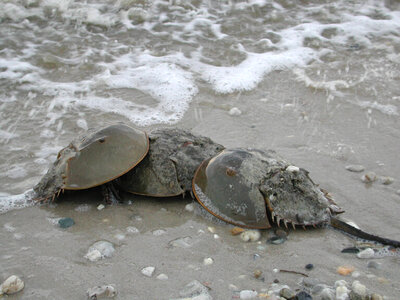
{"x":8,"y":202}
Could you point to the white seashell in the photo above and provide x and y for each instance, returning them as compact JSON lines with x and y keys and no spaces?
{"x":101,"y":291}
{"x":208,"y":261}
{"x":250,"y":235}
{"x":189,"y":207}
{"x":100,"y":207}
{"x":341,"y":283}
{"x":162,"y":276}
{"x":234,"y":111}
{"x":216,"y":236}
{"x":159,"y":232}
{"x":148,"y":271}
{"x":132,"y":230}
{"x":342,"y":293}
{"x":94,"y":255}
{"x":11,"y":285}
{"x":211,"y":229}
{"x":355,"y":168}
{"x":247,"y":294}
{"x":293,"y":169}
{"x":366,"y":253}
{"x":359,"y":289}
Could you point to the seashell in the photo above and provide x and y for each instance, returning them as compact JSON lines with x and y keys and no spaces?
{"x":366,"y":253}
{"x":355,"y":168}
{"x":345,"y":270}
{"x":208,"y":261}
{"x":250,"y":235}
{"x":237,"y":230}
{"x":368,"y":177}
{"x":148,"y":271}
{"x":162,"y":276}
{"x":11,"y":285}
{"x":101,"y":291}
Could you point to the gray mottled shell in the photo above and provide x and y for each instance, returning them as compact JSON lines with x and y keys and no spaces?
{"x":97,"y":157}
{"x":169,"y":167}
{"x":239,"y":185}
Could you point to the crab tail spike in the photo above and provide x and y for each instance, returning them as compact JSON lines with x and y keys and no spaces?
{"x":304,"y":227}
{"x":294,"y":226}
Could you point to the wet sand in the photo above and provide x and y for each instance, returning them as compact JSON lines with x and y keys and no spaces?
{"x":51,"y":260}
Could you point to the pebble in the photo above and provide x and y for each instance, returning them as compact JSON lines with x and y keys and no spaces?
{"x":257,"y":274}
{"x":342,"y":293}
{"x":250,"y":235}
{"x":101,"y":291}
{"x":341,"y":283}
{"x":148,"y":271}
{"x":345,"y":270}
{"x":293,"y":169}
{"x":99,"y":250}
{"x":189,"y":207}
{"x":233,"y":287}
{"x":366,"y":253}
{"x":101,"y":207}
{"x":309,"y":266}
{"x":376,"y":297}
{"x":276,"y":240}
{"x":327,"y":294}
{"x":386,"y":180}
{"x":310,"y":282}
{"x":162,"y":276}
{"x":216,"y":236}
{"x":303,"y":296}
{"x":247,"y":294}
{"x":237,"y":230}
{"x":66,"y":222}
{"x":355,"y":168}
{"x":368,"y":177}
{"x":398,"y":192}
{"x":351,"y":250}
{"x":11,"y":285}
{"x":234,"y":111}
{"x":373,"y":265}
{"x":358,"y":291}
{"x":287,"y":293}
{"x":208,"y":261}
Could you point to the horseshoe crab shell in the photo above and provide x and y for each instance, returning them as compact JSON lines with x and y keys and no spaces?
{"x":253,"y":188}
{"x":95,"y":158}
{"x":169,"y":167}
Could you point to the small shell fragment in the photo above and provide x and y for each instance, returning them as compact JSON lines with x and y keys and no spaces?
{"x":11,"y":285}
{"x":345,"y":270}
{"x":368,"y":177}
{"x":355,"y":168}
{"x":250,"y":235}
{"x":293,"y":169}
{"x":148,"y":271}
{"x":208,"y":261}
{"x":237,"y":230}
{"x":101,"y":291}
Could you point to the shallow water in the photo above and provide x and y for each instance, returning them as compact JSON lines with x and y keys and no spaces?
{"x":316,"y":81}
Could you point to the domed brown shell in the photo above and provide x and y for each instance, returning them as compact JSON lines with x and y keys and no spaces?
{"x":97,"y":157}
{"x":250,"y":188}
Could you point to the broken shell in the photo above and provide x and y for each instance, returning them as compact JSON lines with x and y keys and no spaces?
{"x":148,"y":271}
{"x":293,"y":169}
{"x":368,"y":177}
{"x":236,"y":230}
{"x":11,"y":285}
{"x":101,"y":291}
{"x":257,"y":273}
{"x":345,"y":270}
{"x":208,"y":261}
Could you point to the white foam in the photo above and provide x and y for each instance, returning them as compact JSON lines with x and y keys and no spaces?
{"x":9,"y":202}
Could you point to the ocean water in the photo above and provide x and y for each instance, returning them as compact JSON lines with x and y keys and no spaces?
{"x":329,"y":69}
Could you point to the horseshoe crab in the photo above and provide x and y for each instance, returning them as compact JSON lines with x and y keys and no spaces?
{"x":93,"y":159}
{"x":254,"y":189}
{"x":168,"y":169}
